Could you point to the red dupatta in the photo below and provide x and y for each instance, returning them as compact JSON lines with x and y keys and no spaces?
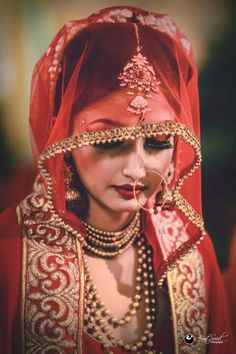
{"x":74,"y":70}
{"x":81,"y":66}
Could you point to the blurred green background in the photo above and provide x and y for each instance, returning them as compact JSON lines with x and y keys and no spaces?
{"x":27,"y":27}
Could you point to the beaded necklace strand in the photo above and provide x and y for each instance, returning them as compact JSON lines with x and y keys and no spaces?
{"x":98,"y":321}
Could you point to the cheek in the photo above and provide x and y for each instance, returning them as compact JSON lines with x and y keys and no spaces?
{"x":93,"y":168}
{"x":85,"y":166}
{"x":166,"y":159}
{"x":161,"y":161}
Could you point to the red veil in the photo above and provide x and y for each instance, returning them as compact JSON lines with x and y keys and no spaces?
{"x":82,"y":65}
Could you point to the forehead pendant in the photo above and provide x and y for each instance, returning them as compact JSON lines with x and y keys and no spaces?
{"x":139,"y":77}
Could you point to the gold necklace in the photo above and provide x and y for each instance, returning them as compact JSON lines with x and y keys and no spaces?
{"x":108,"y":243}
{"x":98,"y":320}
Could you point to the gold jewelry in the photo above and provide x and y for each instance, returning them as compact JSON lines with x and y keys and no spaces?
{"x":109,"y":244}
{"x":98,"y":320}
{"x":139,"y":78}
{"x":165,"y":195}
{"x":122,"y":134}
{"x":71,"y":193}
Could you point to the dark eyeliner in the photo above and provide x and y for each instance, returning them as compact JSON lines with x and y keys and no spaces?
{"x":108,"y":145}
{"x":159,"y":145}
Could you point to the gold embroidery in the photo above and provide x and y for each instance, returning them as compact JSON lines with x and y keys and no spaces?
{"x":52,"y":290}
{"x":174,"y":317}
{"x":186,"y":284}
{"x":130,"y":133}
{"x":51,"y":287}
{"x":23,"y":288}
{"x":170,"y":230}
{"x":81,"y":295}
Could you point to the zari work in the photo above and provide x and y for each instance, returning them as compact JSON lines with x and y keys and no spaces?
{"x":54,"y":291}
{"x":186,"y":284}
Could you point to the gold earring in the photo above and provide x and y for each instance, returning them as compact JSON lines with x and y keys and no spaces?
{"x":165,"y":195}
{"x":71,"y":193}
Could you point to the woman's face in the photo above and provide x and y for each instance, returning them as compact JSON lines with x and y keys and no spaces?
{"x":109,"y":170}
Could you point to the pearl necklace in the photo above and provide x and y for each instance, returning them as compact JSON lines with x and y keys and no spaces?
{"x":98,"y":321}
{"x":109,"y":244}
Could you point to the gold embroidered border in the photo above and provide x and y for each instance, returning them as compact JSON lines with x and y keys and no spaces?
{"x":186,"y":283}
{"x":81,"y":296}
{"x":188,"y":307}
{"x":55,"y":222}
{"x":50,"y":282}
{"x":23,"y":290}
{"x":129,"y":133}
{"x":173,"y":313}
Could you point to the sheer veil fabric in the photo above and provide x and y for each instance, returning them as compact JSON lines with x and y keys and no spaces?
{"x":43,"y":241}
{"x":82,"y":65}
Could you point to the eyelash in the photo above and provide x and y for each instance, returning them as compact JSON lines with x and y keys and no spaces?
{"x":149,"y":143}
{"x":159,"y":145}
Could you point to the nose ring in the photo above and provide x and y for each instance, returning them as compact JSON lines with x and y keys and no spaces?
{"x":156,"y":208}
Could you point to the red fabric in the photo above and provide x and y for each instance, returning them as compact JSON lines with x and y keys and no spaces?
{"x":217,"y":305}
{"x":10,"y":288}
{"x":10,"y":282}
{"x":10,"y":193}
{"x":66,"y":79}
{"x":79,"y":78}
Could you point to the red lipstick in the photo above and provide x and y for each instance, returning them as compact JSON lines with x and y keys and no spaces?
{"x":127,"y":190}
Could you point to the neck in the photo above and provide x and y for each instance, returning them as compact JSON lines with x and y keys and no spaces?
{"x":105,"y":219}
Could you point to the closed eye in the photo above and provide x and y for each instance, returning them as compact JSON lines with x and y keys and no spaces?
{"x":153,"y":143}
{"x":149,"y":143}
{"x":109,"y":145}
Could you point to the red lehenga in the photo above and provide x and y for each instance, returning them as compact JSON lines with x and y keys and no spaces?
{"x":42,"y":270}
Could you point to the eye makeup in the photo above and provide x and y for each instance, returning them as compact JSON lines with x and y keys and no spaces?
{"x":158,"y":143}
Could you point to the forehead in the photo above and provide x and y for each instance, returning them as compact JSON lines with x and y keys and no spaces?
{"x":111,"y":112}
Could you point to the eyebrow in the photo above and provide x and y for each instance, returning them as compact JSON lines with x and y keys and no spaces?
{"x":106,"y":121}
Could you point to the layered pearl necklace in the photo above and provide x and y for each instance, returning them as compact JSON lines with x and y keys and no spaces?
{"x":109,"y":244}
{"x":98,"y":321}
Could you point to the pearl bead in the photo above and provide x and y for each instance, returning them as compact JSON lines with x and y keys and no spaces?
{"x":107,"y":324}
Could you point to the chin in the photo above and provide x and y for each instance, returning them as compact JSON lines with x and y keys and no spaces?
{"x":126,"y":206}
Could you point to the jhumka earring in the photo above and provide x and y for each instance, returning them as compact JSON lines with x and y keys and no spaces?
{"x":139,"y":78}
{"x":164,"y":195}
{"x":71,"y":193}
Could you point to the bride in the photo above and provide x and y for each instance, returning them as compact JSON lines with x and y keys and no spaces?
{"x":109,"y":254}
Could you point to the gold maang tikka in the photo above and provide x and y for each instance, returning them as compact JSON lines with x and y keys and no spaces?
{"x":139,"y":78}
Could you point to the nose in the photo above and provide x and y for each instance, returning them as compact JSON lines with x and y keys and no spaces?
{"x":135,"y":166}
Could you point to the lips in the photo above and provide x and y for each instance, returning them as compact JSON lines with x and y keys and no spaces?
{"x":127,"y":190}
